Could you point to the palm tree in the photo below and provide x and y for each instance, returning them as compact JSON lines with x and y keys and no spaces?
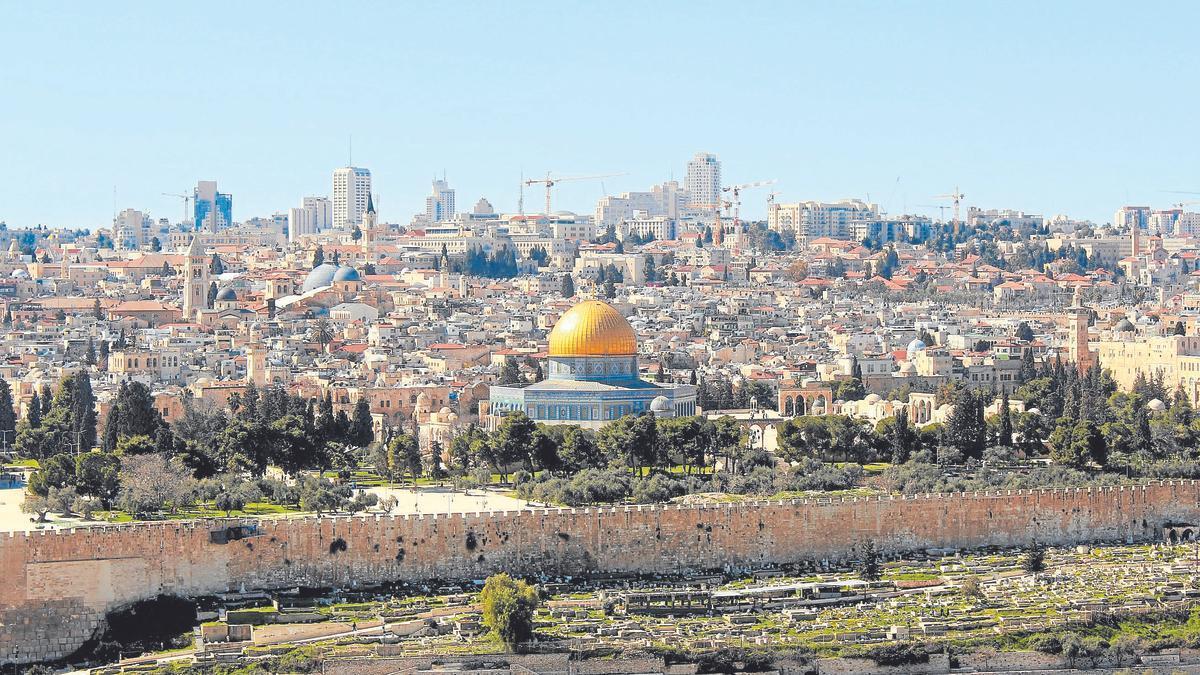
{"x":322,"y":332}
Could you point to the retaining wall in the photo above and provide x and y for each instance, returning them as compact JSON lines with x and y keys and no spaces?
{"x":56,"y":586}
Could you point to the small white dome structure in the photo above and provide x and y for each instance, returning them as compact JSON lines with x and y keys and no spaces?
{"x":917,"y":345}
{"x":660,"y":405}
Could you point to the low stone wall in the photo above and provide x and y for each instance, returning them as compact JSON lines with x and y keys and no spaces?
{"x":59,"y":584}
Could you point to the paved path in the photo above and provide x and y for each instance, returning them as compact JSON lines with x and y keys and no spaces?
{"x":446,"y":500}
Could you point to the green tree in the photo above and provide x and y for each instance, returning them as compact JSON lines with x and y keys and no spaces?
{"x":508,"y":608}
{"x":96,"y":475}
{"x":568,"y":286}
{"x":1004,"y":434}
{"x":135,"y":445}
{"x":510,"y":372}
{"x":849,"y":390}
{"x":404,"y":456}
{"x":901,"y":437}
{"x":578,"y":451}
{"x":512,"y":441}
{"x":362,"y":426}
{"x":8,"y":416}
{"x":869,"y":568}
{"x":965,"y":430}
{"x":1033,"y":560}
{"x":56,"y":471}
{"x":322,"y":333}
{"x":132,"y":414}
{"x":318,"y":258}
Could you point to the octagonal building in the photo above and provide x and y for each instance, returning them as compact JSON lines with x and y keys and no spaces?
{"x":592,"y":376}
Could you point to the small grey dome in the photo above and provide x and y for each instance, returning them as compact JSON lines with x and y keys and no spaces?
{"x":226,"y":294}
{"x":1125,"y":325}
{"x":322,"y":275}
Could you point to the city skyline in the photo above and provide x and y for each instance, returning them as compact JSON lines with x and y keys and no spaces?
{"x":898,"y":102}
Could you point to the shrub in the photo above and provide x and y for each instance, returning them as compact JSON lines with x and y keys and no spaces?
{"x":899,"y":654}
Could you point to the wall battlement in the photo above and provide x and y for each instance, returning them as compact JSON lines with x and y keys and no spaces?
{"x":61,"y":583}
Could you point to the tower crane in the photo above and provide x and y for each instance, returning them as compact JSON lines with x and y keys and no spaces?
{"x":736,"y":190}
{"x":550,"y":181}
{"x":186,"y":200}
{"x":940,"y":207}
{"x":955,"y":197}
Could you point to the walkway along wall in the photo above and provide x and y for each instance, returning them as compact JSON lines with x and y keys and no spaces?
{"x":55,"y":587}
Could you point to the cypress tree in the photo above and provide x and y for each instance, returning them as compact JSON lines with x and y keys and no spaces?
{"x":33,"y":415}
{"x":8,"y":417}
{"x":361,"y":426}
{"x":83,"y":413}
{"x":1005,"y":435}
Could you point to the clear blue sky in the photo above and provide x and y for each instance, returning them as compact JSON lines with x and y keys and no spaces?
{"x":1050,"y":107}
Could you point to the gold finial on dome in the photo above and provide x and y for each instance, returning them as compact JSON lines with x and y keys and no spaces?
{"x":592,"y":328}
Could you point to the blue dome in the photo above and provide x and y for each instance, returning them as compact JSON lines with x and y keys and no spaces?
{"x":346,"y":273}
{"x":321,"y":276}
{"x":226,"y":294}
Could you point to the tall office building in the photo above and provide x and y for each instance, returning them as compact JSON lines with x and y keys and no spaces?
{"x":314,"y":215}
{"x":439,"y":206}
{"x":211,"y":210}
{"x":703,"y":181}
{"x":351,"y":186}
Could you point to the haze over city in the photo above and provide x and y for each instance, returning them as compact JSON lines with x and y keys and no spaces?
{"x":1071,"y":107}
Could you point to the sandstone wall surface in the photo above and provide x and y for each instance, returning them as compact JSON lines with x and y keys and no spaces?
{"x":55,"y":587}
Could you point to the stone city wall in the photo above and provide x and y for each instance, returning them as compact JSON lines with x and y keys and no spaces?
{"x":58,"y":585}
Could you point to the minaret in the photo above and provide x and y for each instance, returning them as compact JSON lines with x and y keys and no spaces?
{"x":1135,"y":240}
{"x":1078,"y":349}
{"x":195,"y":280}
{"x":368,"y":227}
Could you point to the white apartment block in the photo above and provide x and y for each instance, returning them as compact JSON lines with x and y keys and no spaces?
{"x":1015,"y":219}
{"x":131,"y":229}
{"x":667,"y":199}
{"x":1132,"y":216}
{"x":573,"y":227}
{"x":811,"y":220}
{"x":703,"y":181}
{"x":314,"y":215}
{"x":351,"y":186}
{"x":1163,"y":222}
{"x":659,"y":227}
{"x":1187,"y":225}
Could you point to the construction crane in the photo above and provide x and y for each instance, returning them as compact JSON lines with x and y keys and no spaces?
{"x":736,"y":190}
{"x":956,"y":197}
{"x":550,"y":181}
{"x":186,"y":200}
{"x":940,"y":207}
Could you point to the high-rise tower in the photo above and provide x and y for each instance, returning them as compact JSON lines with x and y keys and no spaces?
{"x":703,"y":181}
{"x":351,"y":190}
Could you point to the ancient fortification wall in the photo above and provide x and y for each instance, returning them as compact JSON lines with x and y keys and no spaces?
{"x":55,"y":587}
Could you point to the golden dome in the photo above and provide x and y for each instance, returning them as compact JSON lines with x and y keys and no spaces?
{"x":592,"y":328}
